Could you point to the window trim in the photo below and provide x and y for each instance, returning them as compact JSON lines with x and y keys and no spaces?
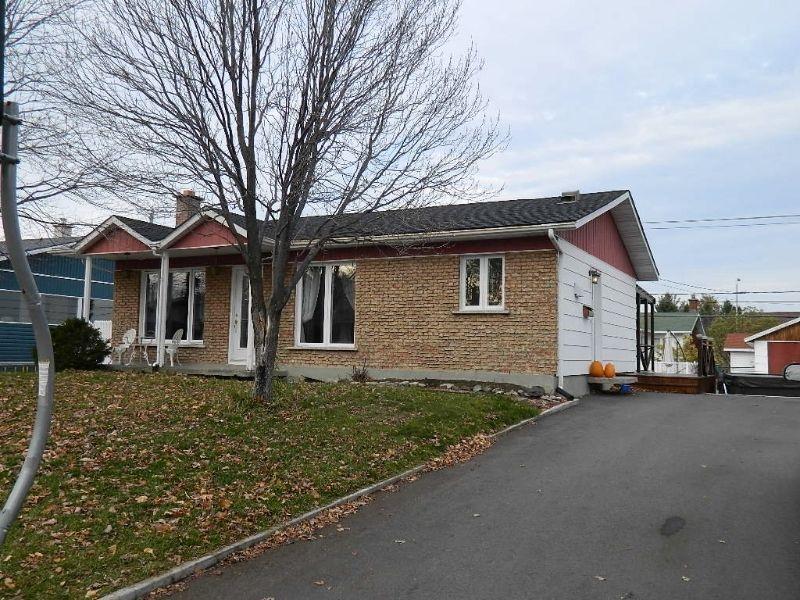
{"x":483,"y":285}
{"x":326,"y":310}
{"x":189,"y":332}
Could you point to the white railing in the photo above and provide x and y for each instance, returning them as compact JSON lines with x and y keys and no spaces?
{"x":677,"y":367}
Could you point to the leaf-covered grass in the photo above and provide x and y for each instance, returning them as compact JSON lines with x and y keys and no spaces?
{"x":145,"y":471}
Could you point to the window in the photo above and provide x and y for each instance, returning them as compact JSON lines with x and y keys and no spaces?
{"x":186,"y":292}
{"x":326,"y":306}
{"x":482,"y":283}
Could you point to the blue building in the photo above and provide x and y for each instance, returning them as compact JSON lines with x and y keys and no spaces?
{"x":61,"y":281}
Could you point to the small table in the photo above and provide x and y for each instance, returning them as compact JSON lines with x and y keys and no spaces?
{"x":141,"y":349}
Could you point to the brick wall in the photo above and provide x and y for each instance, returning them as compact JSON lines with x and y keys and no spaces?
{"x":127,"y":284}
{"x":405,"y":318}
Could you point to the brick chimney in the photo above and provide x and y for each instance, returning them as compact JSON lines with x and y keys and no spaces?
{"x":63,"y":229}
{"x":187,"y":204}
{"x":694,"y":304}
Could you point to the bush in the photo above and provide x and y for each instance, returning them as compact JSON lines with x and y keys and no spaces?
{"x":78,"y":345}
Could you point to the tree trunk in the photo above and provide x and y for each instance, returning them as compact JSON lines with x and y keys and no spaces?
{"x":266,"y":347}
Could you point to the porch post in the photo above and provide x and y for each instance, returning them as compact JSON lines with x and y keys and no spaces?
{"x":161,"y":309}
{"x":86,"y":309}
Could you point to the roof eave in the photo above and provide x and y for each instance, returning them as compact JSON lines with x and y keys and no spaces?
{"x":112,"y":221}
{"x":443,"y":236}
{"x":778,"y":327}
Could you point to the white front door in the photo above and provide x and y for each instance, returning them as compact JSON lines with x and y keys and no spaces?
{"x":240,"y":335}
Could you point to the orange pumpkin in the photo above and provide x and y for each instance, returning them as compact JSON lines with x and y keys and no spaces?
{"x":596,"y":369}
{"x":610,"y":370}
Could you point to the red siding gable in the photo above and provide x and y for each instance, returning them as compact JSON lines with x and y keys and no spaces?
{"x":600,"y":237}
{"x":116,"y":240}
{"x":207,"y":234}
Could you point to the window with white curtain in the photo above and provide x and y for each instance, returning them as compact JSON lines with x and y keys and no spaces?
{"x":482,"y":283}
{"x":326,"y":306}
{"x":186,"y":292}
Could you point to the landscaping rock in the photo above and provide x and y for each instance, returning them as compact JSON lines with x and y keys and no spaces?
{"x":448,"y":386}
{"x":533,"y":391}
{"x":477,"y":388}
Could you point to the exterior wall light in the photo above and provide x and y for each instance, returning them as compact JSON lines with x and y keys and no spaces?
{"x":595,"y":275}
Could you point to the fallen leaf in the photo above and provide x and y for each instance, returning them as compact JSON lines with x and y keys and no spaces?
{"x":149,"y":551}
{"x":320,"y":582}
{"x":9,"y":583}
{"x":141,"y":499}
{"x":685,"y":578}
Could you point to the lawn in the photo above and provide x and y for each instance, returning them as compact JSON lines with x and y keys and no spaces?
{"x":145,"y":471}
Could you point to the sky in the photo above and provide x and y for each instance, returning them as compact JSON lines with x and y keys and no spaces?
{"x":693,"y":106}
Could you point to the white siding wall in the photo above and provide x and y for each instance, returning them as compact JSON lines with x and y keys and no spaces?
{"x":761,"y":362}
{"x":609,"y":336}
{"x":742,"y":361}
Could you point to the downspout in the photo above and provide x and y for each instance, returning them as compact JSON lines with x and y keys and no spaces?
{"x":554,"y":240}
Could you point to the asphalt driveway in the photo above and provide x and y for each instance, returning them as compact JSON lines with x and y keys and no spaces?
{"x":644,"y":497}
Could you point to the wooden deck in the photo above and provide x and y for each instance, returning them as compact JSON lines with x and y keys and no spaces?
{"x":674,"y":383}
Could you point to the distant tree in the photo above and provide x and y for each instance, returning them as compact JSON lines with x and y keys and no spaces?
{"x":727,"y":307}
{"x":667,"y":303}
{"x":709,"y":305}
{"x":747,"y":322}
{"x":689,"y":349}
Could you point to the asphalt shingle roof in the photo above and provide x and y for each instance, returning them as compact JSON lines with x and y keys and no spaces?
{"x":152,"y":231}
{"x":40,"y":243}
{"x":457,"y":217}
{"x":736,"y":340}
{"x":674,"y":321}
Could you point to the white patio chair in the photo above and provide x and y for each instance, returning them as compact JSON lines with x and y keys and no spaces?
{"x":128,"y":339}
{"x":172,"y":347}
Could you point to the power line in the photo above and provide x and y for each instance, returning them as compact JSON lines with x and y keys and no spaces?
{"x":740,"y":225}
{"x":709,"y":219}
{"x":740,"y":293}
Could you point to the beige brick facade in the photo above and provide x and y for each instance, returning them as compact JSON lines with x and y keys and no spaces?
{"x":406,"y":318}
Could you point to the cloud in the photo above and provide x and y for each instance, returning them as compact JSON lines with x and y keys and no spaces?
{"x":650,"y":137}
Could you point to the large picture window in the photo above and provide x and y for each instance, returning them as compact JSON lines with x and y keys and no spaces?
{"x":326,"y":306}
{"x":482,"y":283}
{"x":186,"y":292}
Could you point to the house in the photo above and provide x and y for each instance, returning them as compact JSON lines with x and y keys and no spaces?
{"x":671,"y":332}
{"x":65,"y":289}
{"x":741,"y":355}
{"x":525,"y":291}
{"x":776,"y":347}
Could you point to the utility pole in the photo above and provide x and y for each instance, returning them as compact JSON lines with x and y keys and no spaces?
{"x":737,"y":301}
{"x":30,"y":293}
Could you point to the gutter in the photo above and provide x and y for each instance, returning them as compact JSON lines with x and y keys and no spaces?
{"x":559,"y":337}
{"x":439,"y":236}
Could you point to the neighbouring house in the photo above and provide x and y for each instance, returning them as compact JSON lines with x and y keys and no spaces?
{"x":67,"y":288}
{"x":671,"y":332}
{"x":776,"y":347}
{"x":525,"y":291}
{"x":741,"y":355}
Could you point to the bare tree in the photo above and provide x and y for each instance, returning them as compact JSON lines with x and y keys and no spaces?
{"x":280,"y":109}
{"x":56,"y":163}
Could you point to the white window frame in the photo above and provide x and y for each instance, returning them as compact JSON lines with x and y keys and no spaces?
{"x":483,"y":285}
{"x":189,"y":340}
{"x":326,"y":310}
